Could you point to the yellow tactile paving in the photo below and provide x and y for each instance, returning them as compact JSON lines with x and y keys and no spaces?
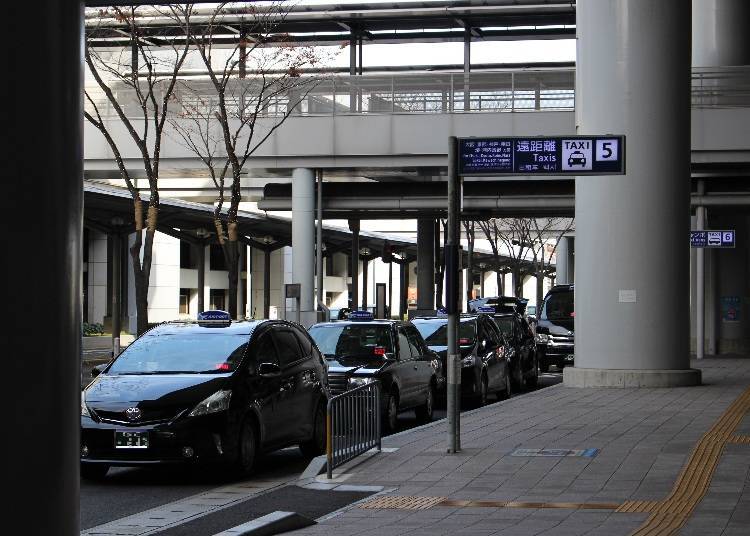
{"x":741,"y":439}
{"x":669,"y":515}
{"x":402,"y":503}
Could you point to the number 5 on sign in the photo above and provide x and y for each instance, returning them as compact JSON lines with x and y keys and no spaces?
{"x":606,"y":150}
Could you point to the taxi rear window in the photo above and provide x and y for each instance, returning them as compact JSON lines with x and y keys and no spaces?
{"x":352,"y":340}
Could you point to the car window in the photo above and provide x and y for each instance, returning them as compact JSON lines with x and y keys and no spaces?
{"x":305,"y":343}
{"x":288,"y":347}
{"x":265,"y":352}
{"x":404,"y":352}
{"x":337,"y":340}
{"x":195,"y":353}
{"x":415,"y":342}
{"x":558,"y":306}
{"x":434,"y":331}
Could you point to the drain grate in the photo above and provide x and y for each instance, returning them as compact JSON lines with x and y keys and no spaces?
{"x":395,"y":502}
{"x":555,"y":453}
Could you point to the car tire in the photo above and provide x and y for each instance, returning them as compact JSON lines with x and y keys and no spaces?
{"x":517,"y":379}
{"x":481,"y":398}
{"x":532,"y":382}
{"x":425,"y":411}
{"x":247,"y":449}
{"x":508,"y":391}
{"x":317,"y":443}
{"x":94,"y":471}
{"x":390,"y":416}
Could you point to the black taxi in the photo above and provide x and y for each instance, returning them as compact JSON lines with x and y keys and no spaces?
{"x":362,"y":349}
{"x":207,"y":391}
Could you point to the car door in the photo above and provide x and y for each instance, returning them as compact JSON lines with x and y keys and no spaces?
{"x":405,"y":369}
{"x":292,"y":417}
{"x":489,"y":342}
{"x":264,"y":385}
{"x":421,"y":365}
{"x":527,"y":341}
{"x":309,"y":387}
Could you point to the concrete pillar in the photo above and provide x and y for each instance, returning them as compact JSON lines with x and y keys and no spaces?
{"x":633,"y":67}
{"x":44,"y":414}
{"x":365,"y":282}
{"x":201,"y":248}
{"x":564,"y":264}
{"x":720,"y":36}
{"x":303,"y":244}
{"x":425,"y":266}
{"x":354,"y":264}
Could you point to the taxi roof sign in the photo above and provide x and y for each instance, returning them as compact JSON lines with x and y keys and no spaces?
{"x":215,"y":315}
{"x":361,"y":315}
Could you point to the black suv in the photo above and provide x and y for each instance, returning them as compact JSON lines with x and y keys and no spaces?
{"x":206,"y":391}
{"x":523,"y":357}
{"x":554,"y":330}
{"x":360,"y":350}
{"x":484,"y":367}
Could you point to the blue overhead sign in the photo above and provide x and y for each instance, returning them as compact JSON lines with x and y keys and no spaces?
{"x":712,"y":239}
{"x":563,"y":155}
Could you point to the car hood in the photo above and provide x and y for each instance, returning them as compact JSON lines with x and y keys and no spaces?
{"x":357,"y":364}
{"x":156,"y":394}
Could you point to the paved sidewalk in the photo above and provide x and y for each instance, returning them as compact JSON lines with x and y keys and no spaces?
{"x":645,"y":437}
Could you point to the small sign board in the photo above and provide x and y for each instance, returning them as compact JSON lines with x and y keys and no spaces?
{"x":292,"y":290}
{"x":559,"y":155}
{"x":712,"y":239}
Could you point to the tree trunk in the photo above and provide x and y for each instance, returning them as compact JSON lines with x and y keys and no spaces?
{"x":539,"y":291}
{"x":517,"y":283}
{"x":232,"y":258}
{"x":142,"y":268}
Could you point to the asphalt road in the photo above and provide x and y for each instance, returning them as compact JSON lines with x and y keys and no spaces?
{"x":127,"y":491}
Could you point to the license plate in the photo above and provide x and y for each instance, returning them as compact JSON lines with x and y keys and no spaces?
{"x":131,"y":440}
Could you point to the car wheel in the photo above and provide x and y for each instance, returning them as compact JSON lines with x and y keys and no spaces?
{"x":424,"y":412}
{"x":94,"y":471}
{"x":247,"y":448}
{"x":317,"y":444}
{"x":533,"y":380}
{"x":482,"y":392}
{"x":508,"y":391}
{"x":390,"y":419}
{"x":517,"y":379}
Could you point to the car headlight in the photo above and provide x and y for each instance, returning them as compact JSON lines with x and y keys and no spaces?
{"x":359,"y":382}
{"x":84,"y":408}
{"x":542,"y":338}
{"x":469,"y":361}
{"x":219,"y":401}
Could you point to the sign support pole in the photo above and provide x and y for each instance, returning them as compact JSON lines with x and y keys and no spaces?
{"x":453,"y":361}
{"x":700,"y":279}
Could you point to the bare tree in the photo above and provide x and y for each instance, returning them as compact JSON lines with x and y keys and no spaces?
{"x":512,"y":235}
{"x":137,"y":83}
{"x":251,"y":88}
{"x":545,"y":234}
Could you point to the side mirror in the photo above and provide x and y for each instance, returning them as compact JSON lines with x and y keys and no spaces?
{"x":98,"y":370}
{"x":269,"y":369}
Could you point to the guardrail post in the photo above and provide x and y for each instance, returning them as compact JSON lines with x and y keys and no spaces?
{"x":329,"y":442}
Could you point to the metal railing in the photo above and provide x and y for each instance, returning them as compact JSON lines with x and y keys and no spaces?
{"x":352,"y":424}
{"x":526,"y":90}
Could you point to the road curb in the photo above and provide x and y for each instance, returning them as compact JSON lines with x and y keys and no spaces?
{"x":270,"y":524}
{"x":316,"y":467}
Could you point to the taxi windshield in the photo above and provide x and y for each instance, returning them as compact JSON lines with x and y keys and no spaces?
{"x":353,"y":340}
{"x":182,"y":354}
{"x":435,"y":332}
